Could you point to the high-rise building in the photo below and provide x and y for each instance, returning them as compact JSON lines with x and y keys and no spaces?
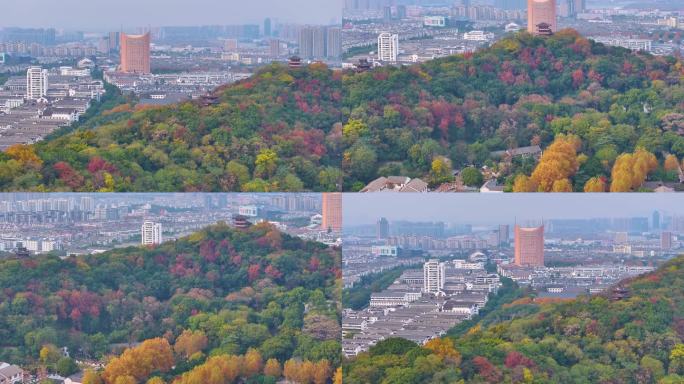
{"x":275,"y":45}
{"x":151,"y":233}
{"x":36,"y":82}
{"x":529,"y":246}
{"x":503,"y":234}
{"x":388,"y":47}
{"x":332,"y":211}
{"x":382,"y":228}
{"x":319,"y":42}
{"x":541,"y":17}
{"x":433,"y":276}
{"x":656,"y":220}
{"x":135,"y":53}
{"x":666,"y":241}
{"x":114,"y":41}
{"x":387,"y":14}
{"x":87,"y":204}
{"x":268,"y":27}
{"x":306,"y":43}
{"x":334,"y":43}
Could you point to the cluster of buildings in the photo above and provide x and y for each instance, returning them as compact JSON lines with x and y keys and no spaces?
{"x":35,"y":104}
{"x":32,"y":223}
{"x":421,"y":304}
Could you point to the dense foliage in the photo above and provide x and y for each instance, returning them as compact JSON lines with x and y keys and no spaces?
{"x":218,"y":292}
{"x":278,"y":130}
{"x":359,"y":295}
{"x":632,"y":338}
{"x":316,"y":129}
{"x":522,"y":91}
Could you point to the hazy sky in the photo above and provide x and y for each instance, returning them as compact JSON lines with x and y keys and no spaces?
{"x":107,"y":14}
{"x":480,"y":209}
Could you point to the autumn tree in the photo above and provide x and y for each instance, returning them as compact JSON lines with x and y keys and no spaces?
{"x":321,"y":372}
{"x":253,"y":363}
{"x":671,"y":163}
{"x":190,"y":342}
{"x":557,"y":165}
{"x":631,"y":170}
{"x":91,"y":377}
{"x":220,"y":369}
{"x":139,"y":362}
{"x":272,"y":368}
{"x":595,"y":184}
{"x":444,"y":348}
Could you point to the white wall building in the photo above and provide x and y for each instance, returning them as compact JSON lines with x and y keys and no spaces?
{"x":36,"y":82}
{"x":433,"y":276}
{"x":388,"y":47}
{"x":151,"y":233}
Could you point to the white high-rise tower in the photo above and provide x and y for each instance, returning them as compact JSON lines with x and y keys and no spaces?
{"x":151,"y":233}
{"x":433,"y":276}
{"x":36,"y":82}
{"x":388,"y":47}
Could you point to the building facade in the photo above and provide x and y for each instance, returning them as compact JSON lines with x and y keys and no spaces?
{"x":135,"y":53}
{"x":332,"y":211}
{"x":151,"y":233}
{"x":529,"y":246}
{"x":433,"y":276}
{"x":541,"y":17}
{"x":388,"y":47}
{"x":36,"y":83}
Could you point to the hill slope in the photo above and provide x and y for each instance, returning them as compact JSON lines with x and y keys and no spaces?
{"x":275,"y":131}
{"x":639,"y":339}
{"x":228,"y":290}
{"x":316,"y":129}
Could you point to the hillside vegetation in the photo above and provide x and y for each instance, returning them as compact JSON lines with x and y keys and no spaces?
{"x":637,"y":337}
{"x":236,"y":295}
{"x":606,"y":118}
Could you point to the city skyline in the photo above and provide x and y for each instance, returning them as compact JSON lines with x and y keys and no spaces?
{"x":484,"y":209}
{"x":75,"y":14}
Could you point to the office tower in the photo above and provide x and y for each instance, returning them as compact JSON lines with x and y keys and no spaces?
{"x":529,"y":246}
{"x":36,"y":82}
{"x":541,"y":17}
{"x":433,"y":276}
{"x":275,"y":48}
{"x":332,"y":211}
{"x":388,"y":47}
{"x":334,"y":45}
{"x":656,"y":220}
{"x":151,"y":233}
{"x":578,"y":6}
{"x":503,"y":234}
{"x":267,"y":27}
{"x":382,"y":228}
{"x":135,"y":53}
{"x":666,"y":241}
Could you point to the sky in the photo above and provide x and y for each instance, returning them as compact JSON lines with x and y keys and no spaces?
{"x":108,"y":14}
{"x":490,"y":209}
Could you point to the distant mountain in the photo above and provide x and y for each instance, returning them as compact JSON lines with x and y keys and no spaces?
{"x":633,"y":333}
{"x":312,"y":128}
{"x":229,"y":292}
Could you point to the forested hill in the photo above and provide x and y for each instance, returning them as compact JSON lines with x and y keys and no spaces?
{"x":634,"y":334}
{"x":316,"y":129}
{"x":277,"y":131}
{"x":219,"y":292}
